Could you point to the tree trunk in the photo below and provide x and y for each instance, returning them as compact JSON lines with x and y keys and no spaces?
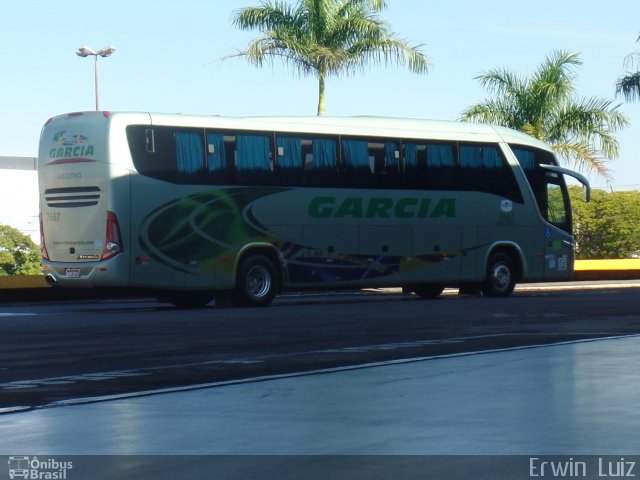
{"x":321,"y":99}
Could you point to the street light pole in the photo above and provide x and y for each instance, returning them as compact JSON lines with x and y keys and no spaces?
{"x":103,"y":52}
{"x":95,"y":78}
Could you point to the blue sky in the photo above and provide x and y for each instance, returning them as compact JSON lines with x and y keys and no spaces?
{"x":168,"y":60}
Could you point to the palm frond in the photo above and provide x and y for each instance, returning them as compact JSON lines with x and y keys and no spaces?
{"x":553,"y":82}
{"x":501,"y":81}
{"x":268,"y":16}
{"x":629,"y":86}
{"x":584,"y":158}
{"x":591,"y":120}
{"x":542,"y":105}
{"x":387,"y":50}
{"x":495,"y":112}
{"x":326,"y":37}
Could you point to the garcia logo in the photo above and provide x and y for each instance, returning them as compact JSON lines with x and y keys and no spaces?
{"x":356,"y":207}
{"x":70,"y":146}
{"x":33,"y":468}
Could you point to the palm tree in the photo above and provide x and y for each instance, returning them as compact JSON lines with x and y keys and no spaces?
{"x":325,"y":37}
{"x":544,"y":106}
{"x":629,"y":85}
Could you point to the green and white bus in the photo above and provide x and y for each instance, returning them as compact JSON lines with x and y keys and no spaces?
{"x":197,"y":206}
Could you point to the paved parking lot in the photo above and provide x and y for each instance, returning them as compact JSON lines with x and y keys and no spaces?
{"x":567,"y":399}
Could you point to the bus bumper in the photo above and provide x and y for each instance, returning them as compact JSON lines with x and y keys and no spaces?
{"x":110,"y":273}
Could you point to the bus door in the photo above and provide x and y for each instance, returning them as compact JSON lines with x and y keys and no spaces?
{"x":558,"y":243}
{"x":549,"y":188}
{"x":556,"y":209}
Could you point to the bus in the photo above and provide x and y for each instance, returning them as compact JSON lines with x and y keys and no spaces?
{"x":239,"y":209}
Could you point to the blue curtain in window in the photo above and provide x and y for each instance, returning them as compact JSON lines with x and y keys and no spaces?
{"x":491,"y":159}
{"x":441,"y":169}
{"x":356,"y":153}
{"x":291,"y":148}
{"x":441,"y":155}
{"x":470,"y":157}
{"x":289,"y":160}
{"x":324,"y":153}
{"x":410,"y":155}
{"x":390,"y":160}
{"x":252,"y":152}
{"x":216,"y":158}
{"x":189,"y":153}
{"x":471,"y":168}
{"x":526,"y":158}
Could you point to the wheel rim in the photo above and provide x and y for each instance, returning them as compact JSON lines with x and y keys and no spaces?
{"x":501,"y":276}
{"x":258,"y":281}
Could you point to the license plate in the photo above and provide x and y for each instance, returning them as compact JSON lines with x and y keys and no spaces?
{"x":72,"y":272}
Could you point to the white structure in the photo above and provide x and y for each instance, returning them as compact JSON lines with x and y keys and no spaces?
{"x":19,"y":194}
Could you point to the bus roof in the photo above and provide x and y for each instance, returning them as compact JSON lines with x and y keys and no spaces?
{"x":375,"y":126}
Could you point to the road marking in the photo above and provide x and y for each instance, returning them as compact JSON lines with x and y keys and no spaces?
{"x":323,"y":371}
{"x":388,"y":346}
{"x":39,"y":382}
{"x":100,"y":376}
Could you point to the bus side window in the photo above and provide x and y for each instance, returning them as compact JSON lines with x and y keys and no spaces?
{"x":178,"y":156}
{"x":290,"y":170}
{"x":415,"y":165}
{"x":370,"y":163}
{"x":253,"y":159}
{"x":472,"y":175}
{"x":384,"y":160}
{"x":217,"y":159}
{"x":430,"y":166}
{"x":320,"y":162}
{"x":391,"y":163}
{"x":190,"y":159}
{"x":483,"y":169}
{"x":442,"y":171}
{"x":357,"y":166}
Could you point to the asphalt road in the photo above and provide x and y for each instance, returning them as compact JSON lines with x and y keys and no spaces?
{"x":52,"y":352}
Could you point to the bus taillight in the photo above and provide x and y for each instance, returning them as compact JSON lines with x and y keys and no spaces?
{"x":43,"y":247}
{"x":113,"y":245}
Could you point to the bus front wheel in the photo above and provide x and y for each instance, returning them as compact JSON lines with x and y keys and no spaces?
{"x":501,"y":276}
{"x":257,"y":282}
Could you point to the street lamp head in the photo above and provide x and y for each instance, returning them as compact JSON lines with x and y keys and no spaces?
{"x":107,"y":51}
{"x":85,"y":51}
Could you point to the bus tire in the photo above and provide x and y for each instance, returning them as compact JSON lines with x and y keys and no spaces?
{"x":428,"y":291}
{"x":501,"y":276}
{"x":257,"y":282}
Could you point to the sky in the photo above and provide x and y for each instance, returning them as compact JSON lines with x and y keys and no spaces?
{"x":169,"y":59}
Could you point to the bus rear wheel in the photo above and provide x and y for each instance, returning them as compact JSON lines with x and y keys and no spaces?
{"x":257,"y":282}
{"x":501,"y":276}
